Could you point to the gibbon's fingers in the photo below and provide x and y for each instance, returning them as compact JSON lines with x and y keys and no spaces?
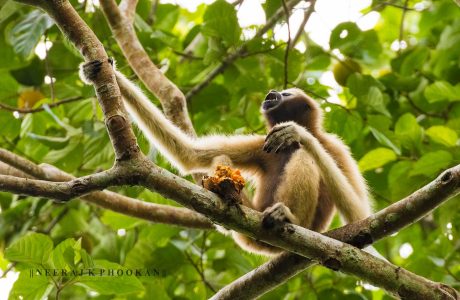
{"x":286,"y":137}
{"x":274,"y":140}
{"x":288,"y":144}
{"x":276,"y":129}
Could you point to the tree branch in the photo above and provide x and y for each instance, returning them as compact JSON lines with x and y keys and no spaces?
{"x":329,"y":252}
{"x":75,"y":29}
{"x":325,"y":250}
{"x":308,"y":12}
{"x":381,"y":224}
{"x":128,"y":9}
{"x":171,"y":98}
{"x":230,"y":58}
{"x":37,"y":109}
{"x":148,"y":211}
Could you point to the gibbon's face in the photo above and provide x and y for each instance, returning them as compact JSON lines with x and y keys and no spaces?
{"x":289,"y":105}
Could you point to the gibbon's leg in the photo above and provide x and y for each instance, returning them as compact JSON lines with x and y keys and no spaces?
{"x":184,"y":152}
{"x":284,"y":135}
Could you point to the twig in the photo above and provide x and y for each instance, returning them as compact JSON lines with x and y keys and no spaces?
{"x":401,"y":25}
{"x":307,"y":14}
{"x":152,"y":12}
{"x":200,"y":272}
{"x":288,"y":46}
{"x":48,"y":70}
{"x":128,"y":9}
{"x":230,"y":58}
{"x":41,"y":108}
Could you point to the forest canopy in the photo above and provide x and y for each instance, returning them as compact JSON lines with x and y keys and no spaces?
{"x":389,"y":90}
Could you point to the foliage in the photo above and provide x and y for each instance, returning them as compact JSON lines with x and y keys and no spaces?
{"x":399,"y":116}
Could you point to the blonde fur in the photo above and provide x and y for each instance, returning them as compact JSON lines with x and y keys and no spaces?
{"x":307,"y":182}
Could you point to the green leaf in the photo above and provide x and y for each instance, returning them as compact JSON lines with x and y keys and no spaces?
{"x":414,"y":61}
{"x":351,"y":41}
{"x":432,"y":163}
{"x":66,"y":254}
{"x":376,"y":158}
{"x":67,"y":158}
{"x":442,"y":90}
{"x":399,"y":181}
{"x":384,"y":140}
{"x":111,"y":285}
{"x":8,"y":89}
{"x":220,"y":21}
{"x":408,"y":131}
{"x":27,"y":33}
{"x":31,"y":287}
{"x":360,"y":84}
{"x":33,"y":248}
{"x":375,"y":102}
{"x":119,"y":221}
{"x":347,"y":125}
{"x":443,"y":135}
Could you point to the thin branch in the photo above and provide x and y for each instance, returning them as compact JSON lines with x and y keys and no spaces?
{"x":230,"y":58}
{"x":22,"y":164}
{"x":307,"y":14}
{"x":41,"y":108}
{"x":128,"y":9}
{"x":199,"y":271}
{"x":49,"y":71}
{"x":62,"y":191}
{"x":403,"y":7}
{"x":288,"y":46}
{"x":145,"y":210}
{"x":75,"y":29}
{"x":6,"y":169}
{"x":172,"y":99}
{"x":152,"y":12}
{"x":401,"y":25}
{"x":381,"y":224}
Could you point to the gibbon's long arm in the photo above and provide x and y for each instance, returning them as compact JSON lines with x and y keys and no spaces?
{"x":186,"y":153}
{"x":350,"y":204}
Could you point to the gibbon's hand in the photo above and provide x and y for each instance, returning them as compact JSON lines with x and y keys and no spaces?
{"x":285,"y":136}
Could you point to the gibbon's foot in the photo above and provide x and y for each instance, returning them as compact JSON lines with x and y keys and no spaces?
{"x":89,"y":70}
{"x":282,"y":137}
{"x":277,"y":214}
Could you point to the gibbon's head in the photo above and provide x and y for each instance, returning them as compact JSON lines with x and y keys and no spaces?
{"x":291,"y":105}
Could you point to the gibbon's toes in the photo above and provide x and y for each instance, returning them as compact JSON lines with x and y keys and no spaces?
{"x":276,"y":214}
{"x":91,"y":69}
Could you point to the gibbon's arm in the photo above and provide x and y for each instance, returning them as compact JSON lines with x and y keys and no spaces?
{"x":350,"y":204}
{"x":184,"y":152}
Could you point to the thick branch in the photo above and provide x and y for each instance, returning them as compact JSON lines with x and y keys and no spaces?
{"x":230,"y":58}
{"x":148,"y":211}
{"x":171,"y":98}
{"x":383,"y":223}
{"x":70,"y":23}
{"x":325,"y":250}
